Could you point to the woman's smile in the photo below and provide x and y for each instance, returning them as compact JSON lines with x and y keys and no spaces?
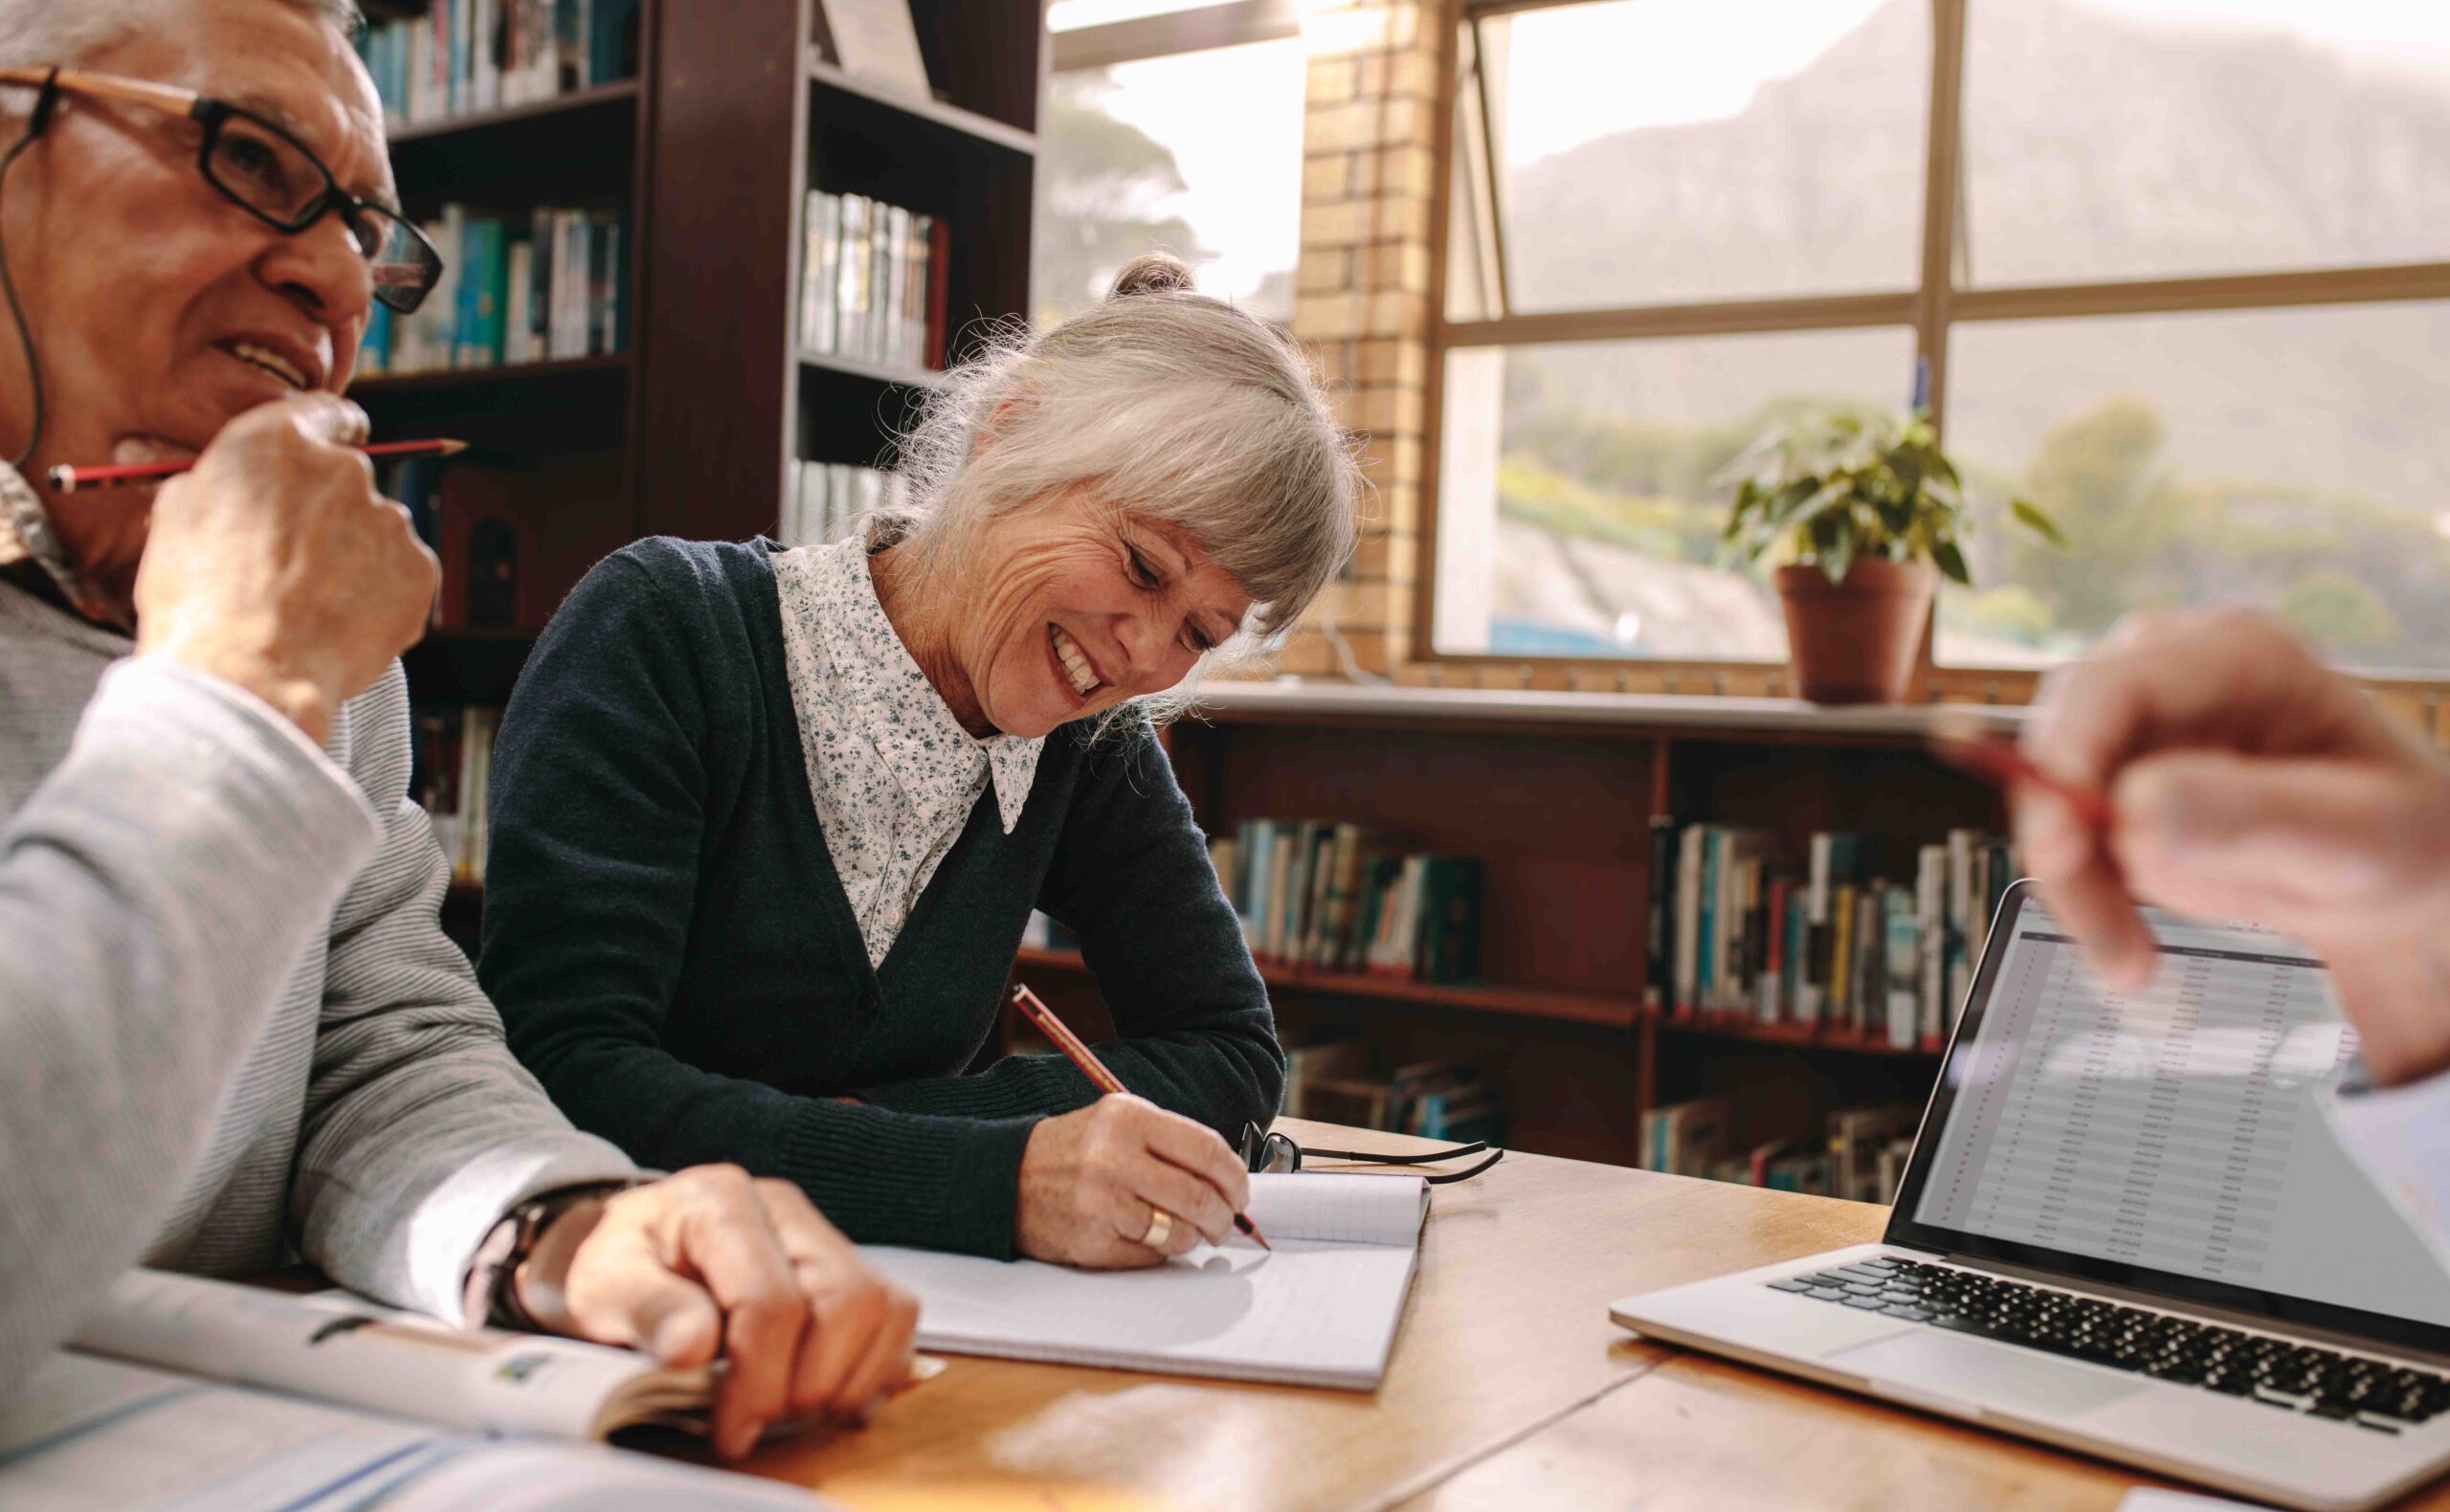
{"x":1073,"y":667}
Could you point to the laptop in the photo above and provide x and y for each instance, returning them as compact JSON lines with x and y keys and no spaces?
{"x":2127,"y":1228}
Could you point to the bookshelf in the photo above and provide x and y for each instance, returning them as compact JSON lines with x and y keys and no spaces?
{"x":693,"y":427}
{"x":1554,"y":791}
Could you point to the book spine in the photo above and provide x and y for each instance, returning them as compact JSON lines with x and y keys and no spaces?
{"x":880,"y":316}
{"x":1798,"y":963}
{"x":1904,"y":937}
{"x":914,"y":309}
{"x":939,"y":286}
{"x":1687,"y":921}
{"x":897,"y":288}
{"x":1774,"y":963}
{"x":1706,"y":935}
{"x":1960,"y":915}
{"x":850,"y":285}
{"x":1659,"y":940}
{"x":1871,"y":941}
{"x":1816,"y":907}
{"x":1932,"y":884}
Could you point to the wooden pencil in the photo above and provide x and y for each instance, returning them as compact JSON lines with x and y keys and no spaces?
{"x":1091,"y":1067}
{"x":66,"y":478}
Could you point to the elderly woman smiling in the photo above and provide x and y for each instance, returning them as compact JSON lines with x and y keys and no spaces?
{"x":766,"y":824}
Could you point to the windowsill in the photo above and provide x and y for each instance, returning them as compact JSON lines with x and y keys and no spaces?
{"x":1226,"y":700}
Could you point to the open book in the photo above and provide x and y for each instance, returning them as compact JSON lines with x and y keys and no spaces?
{"x":1321,"y":1310}
{"x":342,"y":1349}
{"x":200,"y":1395}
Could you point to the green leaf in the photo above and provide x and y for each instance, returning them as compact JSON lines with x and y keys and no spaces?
{"x":1839,"y":554}
{"x":2031,"y":516}
{"x":1818,"y":502}
{"x":1950,"y":562}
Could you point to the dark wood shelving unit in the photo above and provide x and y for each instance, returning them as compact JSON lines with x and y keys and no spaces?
{"x":969,"y":122}
{"x":746,"y":120}
{"x":1562,"y":1008}
{"x":616,"y":97}
{"x":885,"y":374}
{"x":1806,"y":1037}
{"x":1555,"y":792}
{"x":494,"y":384}
{"x":712,"y":146}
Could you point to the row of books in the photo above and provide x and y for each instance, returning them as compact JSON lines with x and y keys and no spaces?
{"x":1737,"y":931}
{"x":824,"y":497}
{"x":873,"y":281}
{"x":454,"y":757}
{"x":510,"y":293}
{"x":467,"y":56}
{"x":1860,"y":1153}
{"x":1443,"y":1099}
{"x":1329,"y":896}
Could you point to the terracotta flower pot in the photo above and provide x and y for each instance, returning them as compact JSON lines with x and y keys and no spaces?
{"x":1855,"y":641}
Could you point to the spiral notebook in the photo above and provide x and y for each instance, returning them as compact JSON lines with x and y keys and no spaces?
{"x":1321,"y":1310}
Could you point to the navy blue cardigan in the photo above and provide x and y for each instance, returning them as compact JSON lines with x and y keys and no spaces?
{"x":676,"y":960}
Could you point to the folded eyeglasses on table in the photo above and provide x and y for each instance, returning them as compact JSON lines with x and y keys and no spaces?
{"x":1264,"y":1150}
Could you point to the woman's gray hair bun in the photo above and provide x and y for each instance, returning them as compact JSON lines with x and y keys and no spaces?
{"x":1152,"y":273}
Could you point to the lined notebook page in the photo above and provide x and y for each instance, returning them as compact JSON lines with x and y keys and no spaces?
{"x":1318,"y":1311}
{"x":1352,"y":1209}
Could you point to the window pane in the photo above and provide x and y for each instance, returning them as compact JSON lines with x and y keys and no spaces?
{"x":1656,"y":151}
{"x":2121,"y":138}
{"x":1577,"y":513}
{"x":1198,"y":154}
{"x":2296,"y":461}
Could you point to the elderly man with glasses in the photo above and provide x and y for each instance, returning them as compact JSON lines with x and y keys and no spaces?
{"x":233,"y":1028}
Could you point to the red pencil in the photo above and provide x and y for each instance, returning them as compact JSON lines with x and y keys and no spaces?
{"x":67,"y":479}
{"x":1081,"y":1056}
{"x":1995,"y":754}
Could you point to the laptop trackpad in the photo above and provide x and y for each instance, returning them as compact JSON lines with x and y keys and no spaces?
{"x":1990,"y":1374}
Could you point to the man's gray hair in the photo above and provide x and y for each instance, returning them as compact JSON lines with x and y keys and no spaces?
{"x":1174,"y":408}
{"x":34,"y":33}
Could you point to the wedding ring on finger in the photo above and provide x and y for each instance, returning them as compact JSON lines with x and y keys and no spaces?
{"x":1161,"y":1228}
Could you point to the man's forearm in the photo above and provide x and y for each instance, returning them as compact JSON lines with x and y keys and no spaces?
{"x":154,"y":893}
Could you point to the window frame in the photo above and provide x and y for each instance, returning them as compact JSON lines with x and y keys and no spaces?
{"x":1228,"y":23}
{"x":1931,"y":309}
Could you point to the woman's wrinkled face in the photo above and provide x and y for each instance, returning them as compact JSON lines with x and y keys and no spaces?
{"x":1081,"y":606}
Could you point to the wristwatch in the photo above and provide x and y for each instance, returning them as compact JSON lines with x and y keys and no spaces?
{"x":489,"y":1299}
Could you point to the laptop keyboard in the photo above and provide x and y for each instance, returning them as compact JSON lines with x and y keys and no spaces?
{"x":2279,"y":1372}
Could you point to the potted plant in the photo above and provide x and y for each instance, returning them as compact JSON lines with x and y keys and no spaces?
{"x":1858,"y":514}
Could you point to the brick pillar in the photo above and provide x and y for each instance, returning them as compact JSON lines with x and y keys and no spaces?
{"x":1369,"y":178}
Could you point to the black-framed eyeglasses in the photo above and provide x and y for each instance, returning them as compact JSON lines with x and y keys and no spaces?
{"x":264,"y":171}
{"x":1264,"y":1150}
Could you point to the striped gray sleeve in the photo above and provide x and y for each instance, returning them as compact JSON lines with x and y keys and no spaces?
{"x":155,"y":891}
{"x":420,"y":1130}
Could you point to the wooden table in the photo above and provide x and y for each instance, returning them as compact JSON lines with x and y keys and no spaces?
{"x":1510,"y":1388}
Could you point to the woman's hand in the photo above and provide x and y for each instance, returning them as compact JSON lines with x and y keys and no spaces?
{"x":1091,"y":1181}
{"x":2246,"y":781}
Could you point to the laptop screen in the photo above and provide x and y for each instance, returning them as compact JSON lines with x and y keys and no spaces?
{"x":2171,"y":1140}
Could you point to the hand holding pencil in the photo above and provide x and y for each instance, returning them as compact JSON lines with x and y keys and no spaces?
{"x":2240,"y":778}
{"x":1122,"y":1183}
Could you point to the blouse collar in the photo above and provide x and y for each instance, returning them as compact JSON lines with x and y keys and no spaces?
{"x":912,"y":726}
